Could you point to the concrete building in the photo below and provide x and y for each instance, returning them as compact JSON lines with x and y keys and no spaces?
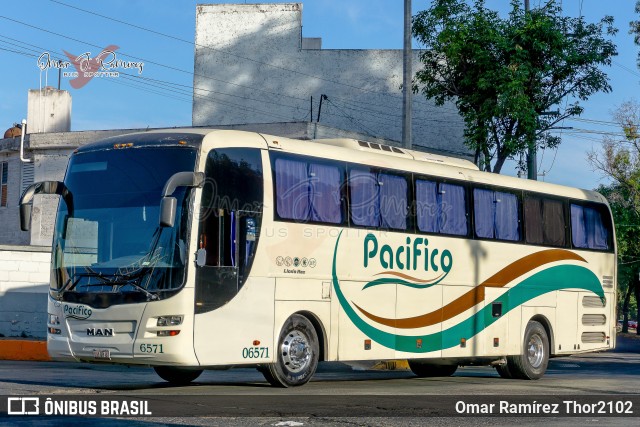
{"x":252,"y":65}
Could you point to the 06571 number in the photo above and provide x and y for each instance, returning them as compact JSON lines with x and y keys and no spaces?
{"x":255,"y":353}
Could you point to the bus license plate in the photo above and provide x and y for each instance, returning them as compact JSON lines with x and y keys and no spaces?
{"x":102,"y":353}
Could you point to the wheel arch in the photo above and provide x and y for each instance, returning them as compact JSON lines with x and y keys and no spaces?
{"x":548,"y":329}
{"x":320,"y":331}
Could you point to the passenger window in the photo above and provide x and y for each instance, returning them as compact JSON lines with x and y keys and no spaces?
{"x":588,"y":229}
{"x":308,"y":191}
{"x":544,"y":221}
{"x":496,"y":215}
{"x":378,"y":199}
{"x":441,"y":208}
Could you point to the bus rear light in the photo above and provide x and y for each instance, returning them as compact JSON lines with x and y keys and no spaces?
{"x":169,"y":320}
{"x":256,"y":342}
{"x":168,"y":333}
{"x":55,"y":331}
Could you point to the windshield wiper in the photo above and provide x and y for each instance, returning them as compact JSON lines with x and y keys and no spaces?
{"x":120,"y":283}
{"x":113,"y":280}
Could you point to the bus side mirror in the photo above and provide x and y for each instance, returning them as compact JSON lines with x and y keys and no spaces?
{"x":25,"y":216}
{"x":169,"y":204}
{"x":43,"y":187}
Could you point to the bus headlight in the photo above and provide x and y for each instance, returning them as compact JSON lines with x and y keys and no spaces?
{"x":54,"y":319}
{"x":169,"y":320}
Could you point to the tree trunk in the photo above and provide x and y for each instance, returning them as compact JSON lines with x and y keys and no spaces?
{"x":637,"y":292}
{"x":625,"y":306}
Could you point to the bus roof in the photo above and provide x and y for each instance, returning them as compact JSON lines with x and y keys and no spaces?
{"x":352,"y":150}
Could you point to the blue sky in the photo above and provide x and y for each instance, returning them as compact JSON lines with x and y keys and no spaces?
{"x":342,"y":24}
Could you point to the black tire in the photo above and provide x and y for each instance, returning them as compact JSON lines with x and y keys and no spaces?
{"x":296,"y":355}
{"x":532,"y":363}
{"x":504,"y":372}
{"x":177,"y":376}
{"x":425,"y":370}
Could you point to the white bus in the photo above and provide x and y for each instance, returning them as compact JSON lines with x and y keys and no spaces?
{"x":195,"y":249}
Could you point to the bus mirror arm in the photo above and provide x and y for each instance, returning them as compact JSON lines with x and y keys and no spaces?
{"x":169,"y":204}
{"x":43,"y":187}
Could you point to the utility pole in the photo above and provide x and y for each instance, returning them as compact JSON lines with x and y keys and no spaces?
{"x":406,"y":77}
{"x":532,"y":163}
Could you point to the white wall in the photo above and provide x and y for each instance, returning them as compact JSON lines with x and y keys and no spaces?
{"x":243,"y":61}
{"x":24,"y":284}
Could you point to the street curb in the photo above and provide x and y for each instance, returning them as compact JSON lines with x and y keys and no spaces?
{"x":24,"y":350}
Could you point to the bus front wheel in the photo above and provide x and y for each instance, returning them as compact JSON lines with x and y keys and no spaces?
{"x":532,"y":363}
{"x":424,"y":370}
{"x":296,"y":355}
{"x":177,"y":376}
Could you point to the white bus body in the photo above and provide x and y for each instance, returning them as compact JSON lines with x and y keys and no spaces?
{"x":282,"y":253}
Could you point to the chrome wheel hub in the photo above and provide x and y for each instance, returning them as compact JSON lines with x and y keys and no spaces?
{"x":535,"y":351}
{"x":296,"y":352}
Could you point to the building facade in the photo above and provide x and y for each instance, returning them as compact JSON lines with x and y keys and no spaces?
{"x":252,"y":65}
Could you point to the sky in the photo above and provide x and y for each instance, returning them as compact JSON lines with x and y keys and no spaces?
{"x":32,"y":27}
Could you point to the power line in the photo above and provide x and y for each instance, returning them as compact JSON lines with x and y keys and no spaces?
{"x":190,"y":93}
{"x":159,"y":33}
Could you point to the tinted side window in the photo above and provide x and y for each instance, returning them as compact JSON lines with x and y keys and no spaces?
{"x":378,"y":199}
{"x":544,"y":221}
{"x":441,"y":208}
{"x":588,"y":229}
{"x":307,"y":190}
{"x":496,"y":215}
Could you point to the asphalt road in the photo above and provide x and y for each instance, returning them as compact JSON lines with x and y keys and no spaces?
{"x":339,"y":394}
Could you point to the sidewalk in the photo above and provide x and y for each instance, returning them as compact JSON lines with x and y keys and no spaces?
{"x":23,"y":349}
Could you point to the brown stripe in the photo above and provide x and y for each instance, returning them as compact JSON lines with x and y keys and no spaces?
{"x":406,"y":276}
{"x":477,"y":294}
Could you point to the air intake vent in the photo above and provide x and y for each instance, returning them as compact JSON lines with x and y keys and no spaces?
{"x":593,"y":302}
{"x":376,"y":146}
{"x":593,"y":337}
{"x":607,"y":281}
{"x":594,"y":319}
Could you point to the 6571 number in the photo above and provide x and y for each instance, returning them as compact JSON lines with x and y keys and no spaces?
{"x":151,"y":348}
{"x":255,"y":353}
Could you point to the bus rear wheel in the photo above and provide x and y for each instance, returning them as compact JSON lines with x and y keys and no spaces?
{"x":177,"y":376}
{"x":532,"y":363}
{"x":424,"y":369}
{"x":504,"y":372}
{"x":296,"y":355}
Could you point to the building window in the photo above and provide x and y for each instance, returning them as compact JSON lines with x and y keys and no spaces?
{"x":4,"y":178}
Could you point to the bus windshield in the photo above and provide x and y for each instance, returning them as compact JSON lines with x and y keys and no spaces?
{"x":109,"y":245}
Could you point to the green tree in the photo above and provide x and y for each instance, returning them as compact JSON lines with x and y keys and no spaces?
{"x":504,"y":74}
{"x":619,"y":161}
